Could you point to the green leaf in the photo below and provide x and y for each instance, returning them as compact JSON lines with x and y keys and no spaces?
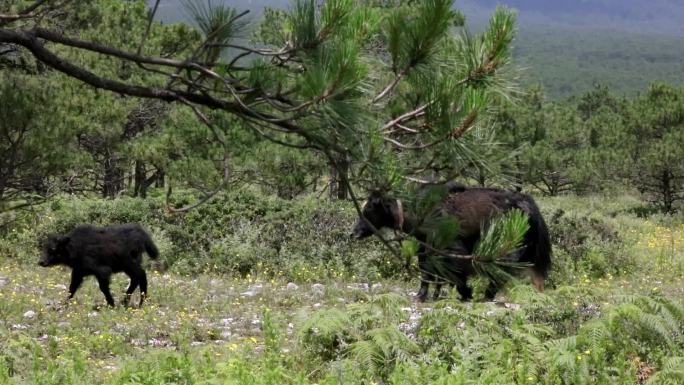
{"x":409,"y":247}
{"x":502,"y":236}
{"x":442,"y":231}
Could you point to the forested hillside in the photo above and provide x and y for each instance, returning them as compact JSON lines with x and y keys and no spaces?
{"x":569,"y":61}
{"x":569,"y":46}
{"x":633,"y":16}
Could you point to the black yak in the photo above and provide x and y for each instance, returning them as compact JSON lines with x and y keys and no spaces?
{"x":473,"y":208}
{"x":101,"y":251}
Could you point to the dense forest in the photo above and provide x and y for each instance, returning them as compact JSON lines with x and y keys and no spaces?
{"x":569,"y":62}
{"x":250,"y":145}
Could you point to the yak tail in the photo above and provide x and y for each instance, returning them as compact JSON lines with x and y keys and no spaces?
{"x":150,"y":247}
{"x":542,"y":242}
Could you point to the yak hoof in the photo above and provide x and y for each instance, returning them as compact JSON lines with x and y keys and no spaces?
{"x":421,"y":297}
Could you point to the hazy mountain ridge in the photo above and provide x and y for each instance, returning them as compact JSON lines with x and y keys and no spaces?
{"x":567,"y":45}
{"x":640,"y":16}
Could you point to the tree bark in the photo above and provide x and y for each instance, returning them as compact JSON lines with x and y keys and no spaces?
{"x":338,"y":173}
{"x":140,"y":176}
{"x":113,"y":178}
{"x":159,"y":181}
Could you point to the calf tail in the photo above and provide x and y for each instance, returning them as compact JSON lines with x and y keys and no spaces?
{"x":150,"y":247}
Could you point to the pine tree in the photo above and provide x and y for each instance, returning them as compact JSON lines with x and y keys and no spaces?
{"x":395,"y":92}
{"x":657,"y":133}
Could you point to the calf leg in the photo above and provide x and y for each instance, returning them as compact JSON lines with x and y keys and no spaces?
{"x":131,"y":288}
{"x":142,"y":278}
{"x":103,"y":281}
{"x":76,"y":280}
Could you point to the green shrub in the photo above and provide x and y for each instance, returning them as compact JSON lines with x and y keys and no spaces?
{"x":240,"y":232}
{"x":586,"y":244}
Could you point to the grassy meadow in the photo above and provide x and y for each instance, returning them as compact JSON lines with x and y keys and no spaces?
{"x":326,"y":310}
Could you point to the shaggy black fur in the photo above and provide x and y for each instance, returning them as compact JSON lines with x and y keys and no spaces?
{"x":473,"y":207}
{"x":101,"y":251}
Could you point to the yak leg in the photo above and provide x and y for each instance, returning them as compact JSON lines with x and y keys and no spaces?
{"x":537,"y":279}
{"x":465,"y":291}
{"x":136,"y":274}
{"x":438,"y":291}
{"x":491,"y":291}
{"x":425,"y":277}
{"x":423,"y":292}
{"x":460,"y":269}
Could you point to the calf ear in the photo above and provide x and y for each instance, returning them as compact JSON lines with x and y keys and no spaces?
{"x":397,"y":211}
{"x":63,"y":240}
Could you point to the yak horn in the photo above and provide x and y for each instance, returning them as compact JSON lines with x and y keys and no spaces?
{"x":399,"y":215}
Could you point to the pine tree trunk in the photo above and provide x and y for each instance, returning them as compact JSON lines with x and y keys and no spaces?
{"x":113,"y":178}
{"x":481,"y":177}
{"x":343,"y":174}
{"x":332,"y":191}
{"x":159,"y":182}
{"x":666,"y":191}
{"x":140,"y":176}
{"x":338,"y":189}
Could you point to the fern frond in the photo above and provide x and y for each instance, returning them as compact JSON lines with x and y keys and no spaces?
{"x":671,"y":372}
{"x":382,"y":349}
{"x":562,"y":344}
{"x":629,"y":315}
{"x":595,"y":335}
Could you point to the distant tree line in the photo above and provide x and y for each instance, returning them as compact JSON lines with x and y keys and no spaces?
{"x":598,"y":142}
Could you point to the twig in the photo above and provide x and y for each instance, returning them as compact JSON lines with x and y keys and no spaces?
{"x":390,"y":86}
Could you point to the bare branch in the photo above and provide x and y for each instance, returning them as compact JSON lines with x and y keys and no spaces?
{"x":391,"y":86}
{"x":416,"y":147}
{"x":149,"y":26}
{"x":263,"y":52}
{"x":420,"y":111}
{"x":29,"y":40}
{"x":25,"y":13}
{"x":56,"y":37}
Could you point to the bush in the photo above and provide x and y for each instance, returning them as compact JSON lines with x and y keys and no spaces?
{"x":584,"y":244}
{"x":241,"y":232}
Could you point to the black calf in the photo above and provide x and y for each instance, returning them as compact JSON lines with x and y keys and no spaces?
{"x":102,"y":251}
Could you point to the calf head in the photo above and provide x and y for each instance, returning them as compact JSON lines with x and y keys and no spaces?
{"x":378,"y":212}
{"x":55,"y":251}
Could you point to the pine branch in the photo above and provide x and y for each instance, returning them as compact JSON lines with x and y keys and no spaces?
{"x":26,"y":13}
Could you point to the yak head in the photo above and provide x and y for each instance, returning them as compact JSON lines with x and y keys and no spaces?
{"x":55,"y":251}
{"x":379,"y":211}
